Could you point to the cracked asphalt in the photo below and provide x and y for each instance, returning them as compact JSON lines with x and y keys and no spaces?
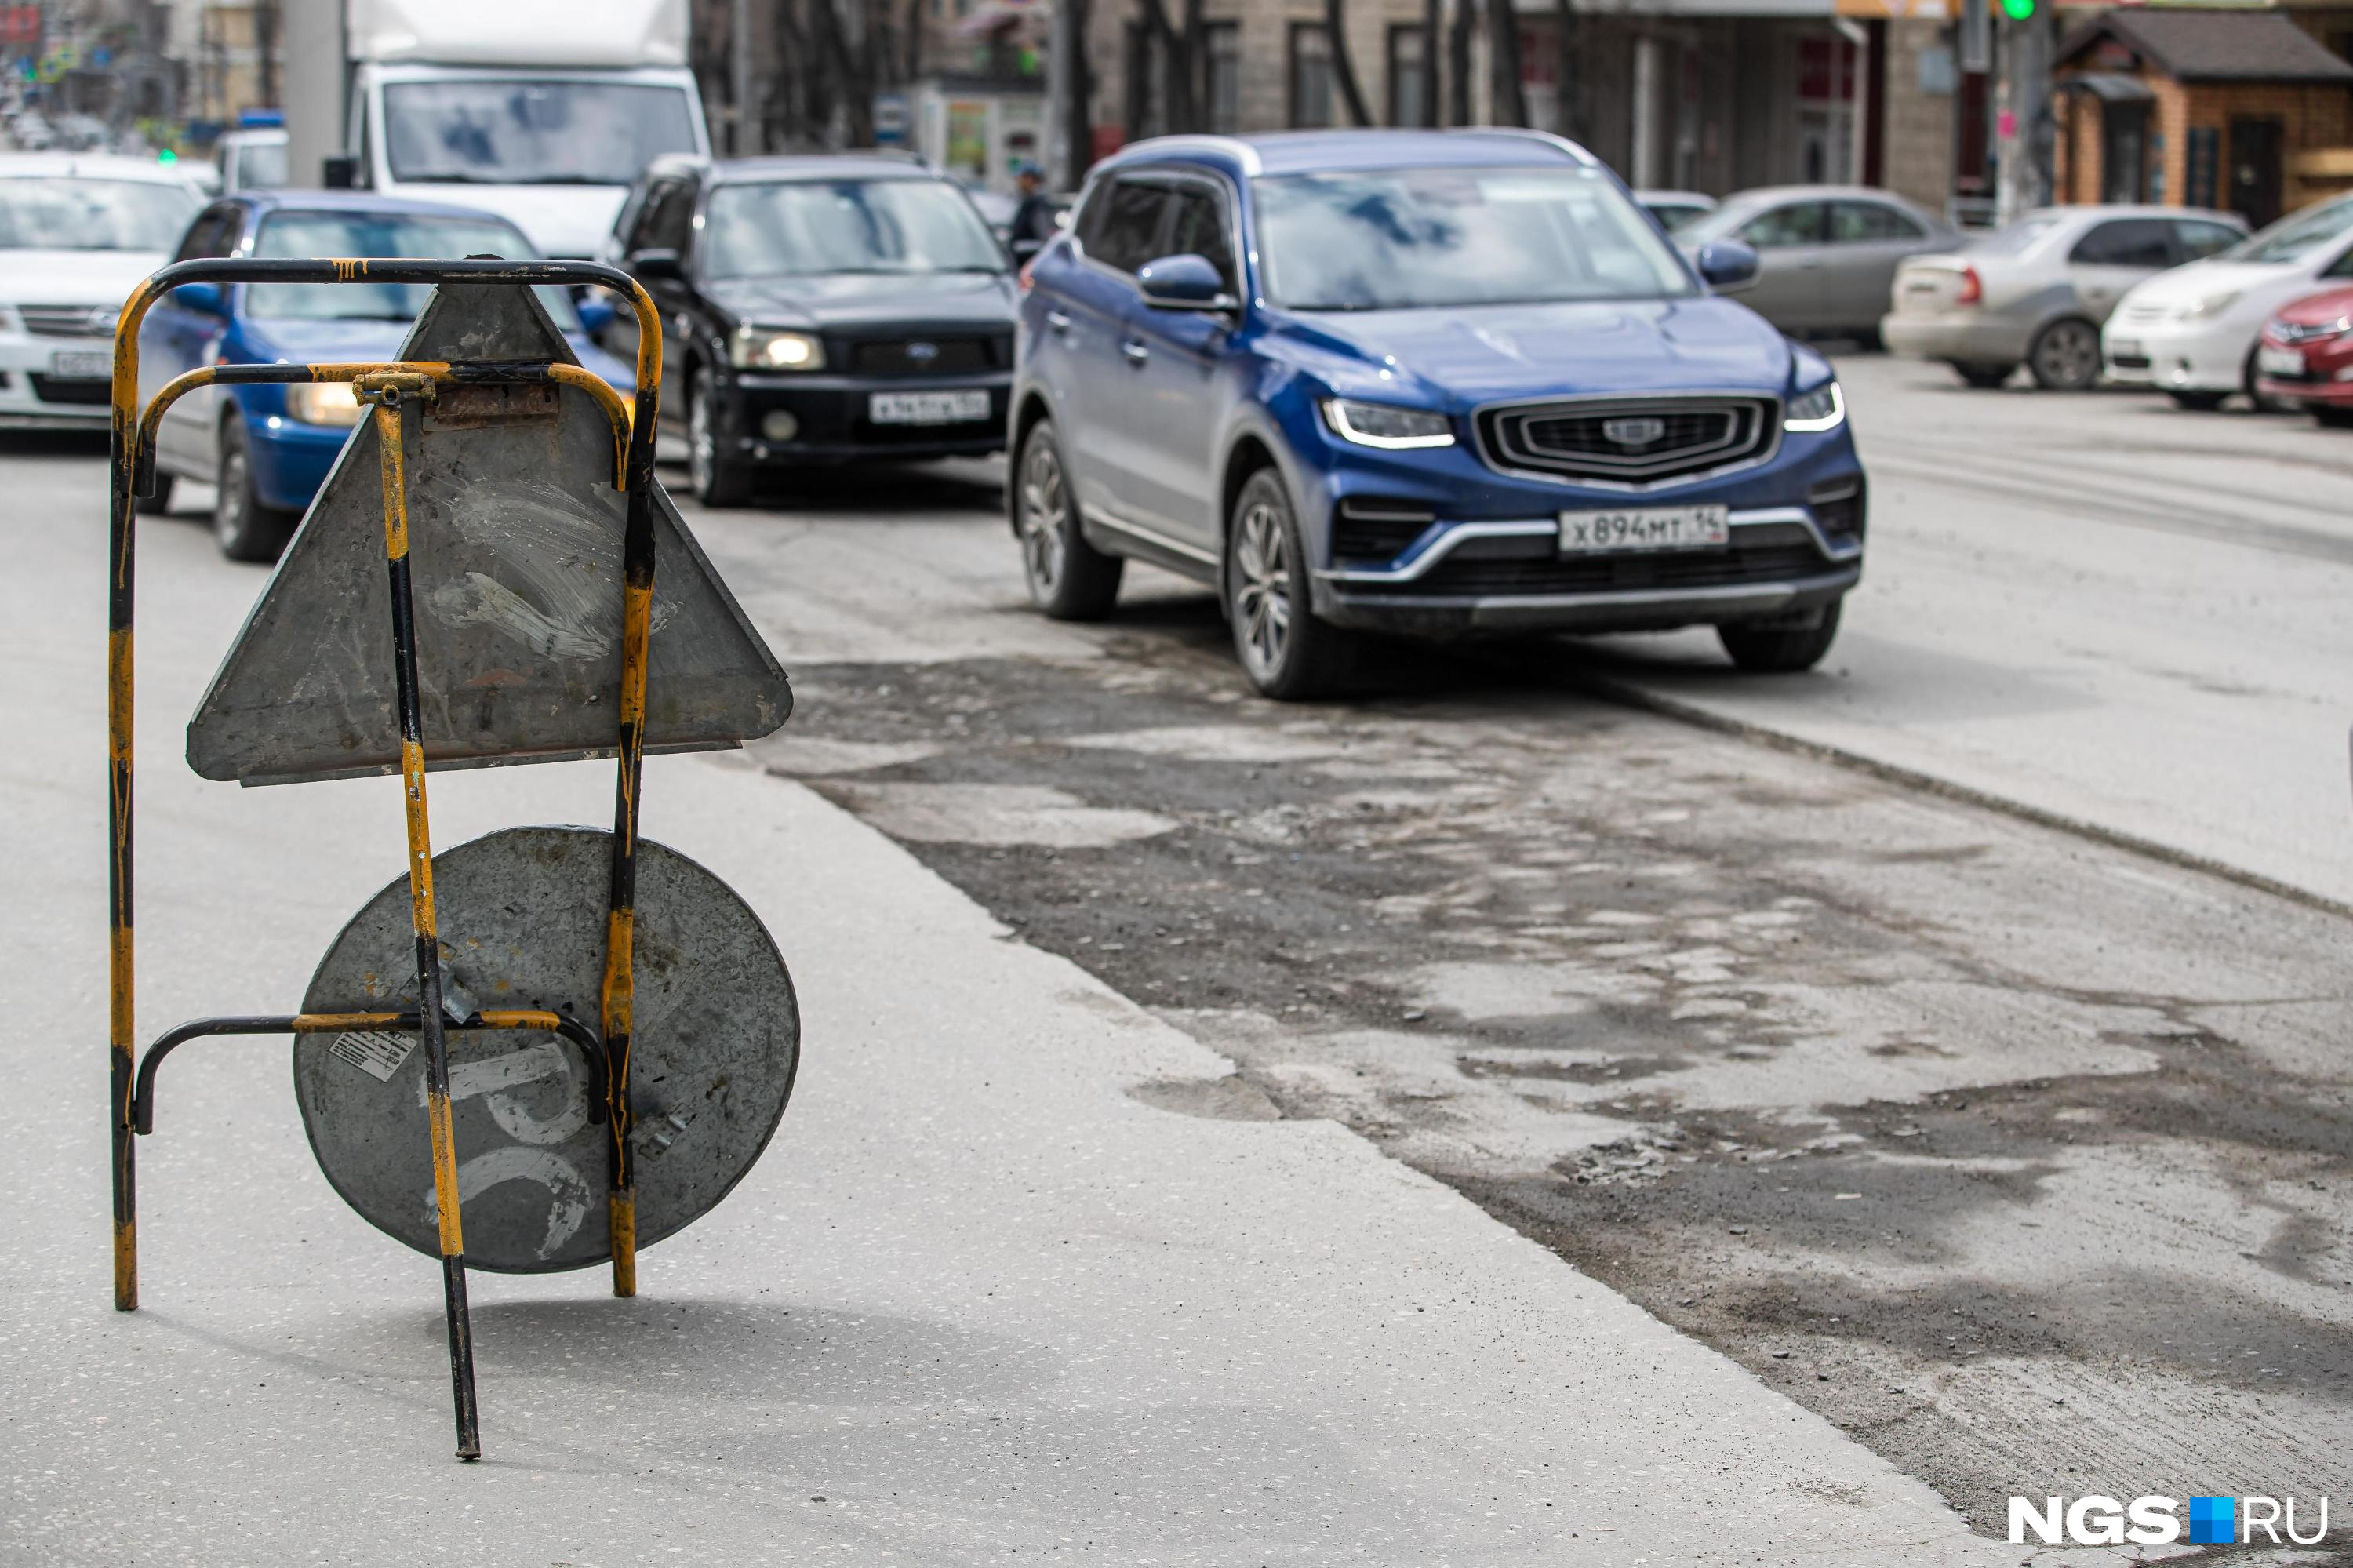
{"x":2024,"y":1158}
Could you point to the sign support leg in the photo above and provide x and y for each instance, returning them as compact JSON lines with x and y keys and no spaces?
{"x":620,"y":921}
{"x":431,"y":1016}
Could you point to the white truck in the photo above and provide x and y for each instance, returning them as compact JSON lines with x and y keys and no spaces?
{"x":540,"y":111}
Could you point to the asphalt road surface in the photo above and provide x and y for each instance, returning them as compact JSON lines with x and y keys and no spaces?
{"x":2023,"y":1156}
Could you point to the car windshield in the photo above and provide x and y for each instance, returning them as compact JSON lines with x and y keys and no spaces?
{"x":260,"y":165}
{"x":1414,"y":238}
{"x":67,"y":214}
{"x":2296,"y":237}
{"x":520,"y":132}
{"x":844,"y":226}
{"x":297,"y":234}
{"x":2015,"y":239}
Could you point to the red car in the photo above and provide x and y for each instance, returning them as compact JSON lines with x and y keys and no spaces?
{"x":2305,"y":356}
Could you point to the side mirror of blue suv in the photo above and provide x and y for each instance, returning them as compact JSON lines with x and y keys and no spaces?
{"x":1728,"y":266}
{"x":1183,"y":283}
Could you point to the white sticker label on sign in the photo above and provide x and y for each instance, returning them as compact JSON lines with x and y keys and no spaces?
{"x":377,"y":1055}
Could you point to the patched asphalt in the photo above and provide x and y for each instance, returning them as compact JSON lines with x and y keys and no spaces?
{"x":2024,"y":1158}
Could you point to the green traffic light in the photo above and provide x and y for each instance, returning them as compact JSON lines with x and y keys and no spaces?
{"x":167,"y":156}
{"x":2018,"y":10}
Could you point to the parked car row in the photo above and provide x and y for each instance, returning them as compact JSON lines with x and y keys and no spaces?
{"x":2179,"y":301}
{"x":1441,"y":384}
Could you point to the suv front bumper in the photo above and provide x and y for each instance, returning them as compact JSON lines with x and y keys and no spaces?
{"x":1510,"y":577}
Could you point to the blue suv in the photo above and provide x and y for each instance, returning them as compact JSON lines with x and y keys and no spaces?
{"x":1438,"y":383}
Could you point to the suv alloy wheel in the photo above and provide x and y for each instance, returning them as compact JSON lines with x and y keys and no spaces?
{"x":1288,"y":654}
{"x":1068,"y":579}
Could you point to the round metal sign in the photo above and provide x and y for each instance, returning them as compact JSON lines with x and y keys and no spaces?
{"x":522,"y":923}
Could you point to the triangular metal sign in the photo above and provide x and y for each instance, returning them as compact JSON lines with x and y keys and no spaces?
{"x":515,"y":532}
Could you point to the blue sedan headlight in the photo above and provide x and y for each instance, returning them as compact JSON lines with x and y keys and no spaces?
{"x":1380,"y":425}
{"x":1820,"y":409}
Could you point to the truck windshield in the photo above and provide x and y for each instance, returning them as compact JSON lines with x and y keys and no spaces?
{"x":506,"y":131}
{"x":293,"y":234}
{"x":844,"y":226}
{"x":1383,"y":239}
{"x":40,"y":214}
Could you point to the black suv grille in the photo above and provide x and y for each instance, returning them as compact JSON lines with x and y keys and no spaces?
{"x":1638,"y":441}
{"x":928,"y":356}
{"x":1456,"y":575}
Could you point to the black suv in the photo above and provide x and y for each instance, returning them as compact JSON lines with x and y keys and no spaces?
{"x":818,"y":309}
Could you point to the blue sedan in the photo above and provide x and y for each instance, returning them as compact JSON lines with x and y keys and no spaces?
{"x":1443,"y":383}
{"x":268,"y":448}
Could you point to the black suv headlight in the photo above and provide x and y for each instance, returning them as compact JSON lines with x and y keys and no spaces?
{"x":1820,"y":409}
{"x":1380,"y":425}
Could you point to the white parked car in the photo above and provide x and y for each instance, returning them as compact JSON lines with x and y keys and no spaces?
{"x":77,"y":233}
{"x":2191,"y":333}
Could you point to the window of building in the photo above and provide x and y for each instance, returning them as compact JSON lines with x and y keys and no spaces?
{"x":1310,"y":76}
{"x":1221,"y":76}
{"x":1408,"y":73}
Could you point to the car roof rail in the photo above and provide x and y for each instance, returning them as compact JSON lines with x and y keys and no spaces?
{"x":1525,"y":133}
{"x":1233,"y":147}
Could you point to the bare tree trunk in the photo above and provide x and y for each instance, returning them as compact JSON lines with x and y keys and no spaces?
{"x":1507,"y":97}
{"x":1458,"y":60}
{"x":1079,"y":118}
{"x":1433,"y":79}
{"x":1343,"y":70}
{"x":1569,"y":82}
{"x":853,"y":72}
{"x":1178,"y":73}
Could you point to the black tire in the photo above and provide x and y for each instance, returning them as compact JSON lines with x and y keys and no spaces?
{"x":1285,"y":651}
{"x":716,"y":479}
{"x":158,"y":504}
{"x":1068,"y":579}
{"x":1776,"y":647}
{"x":2065,"y":355}
{"x":244,"y":526}
{"x":2198,"y":402}
{"x":2334,"y":418}
{"x":2248,"y":383}
{"x":1867,"y":339}
{"x":1984,"y":377}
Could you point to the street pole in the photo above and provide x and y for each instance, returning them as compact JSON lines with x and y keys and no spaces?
{"x":1058,"y":97}
{"x":740,"y":67}
{"x":2021,"y":101}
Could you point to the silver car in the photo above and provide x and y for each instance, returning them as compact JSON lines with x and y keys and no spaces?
{"x":2039,"y":291}
{"x":1829,"y":253}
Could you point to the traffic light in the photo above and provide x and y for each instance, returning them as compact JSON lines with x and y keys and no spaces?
{"x":2018,"y":10}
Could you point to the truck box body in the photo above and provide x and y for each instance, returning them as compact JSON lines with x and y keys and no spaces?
{"x":540,"y":111}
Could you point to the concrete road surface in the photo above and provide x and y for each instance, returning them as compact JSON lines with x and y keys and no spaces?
{"x":1908,"y":1139}
{"x":2101,"y":606}
{"x":1010,"y":1285}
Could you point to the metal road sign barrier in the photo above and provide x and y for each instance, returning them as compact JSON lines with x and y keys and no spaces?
{"x":501,"y":500}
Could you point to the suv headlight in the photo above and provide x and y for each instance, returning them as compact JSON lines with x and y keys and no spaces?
{"x":757,"y":348}
{"x":1379,"y":424}
{"x":2211,"y":305}
{"x":1820,"y":409}
{"x":322,"y":403}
